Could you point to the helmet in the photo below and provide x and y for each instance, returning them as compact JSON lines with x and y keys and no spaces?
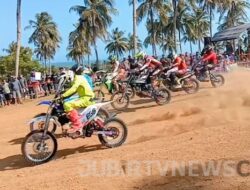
{"x":112,"y":58}
{"x":140,"y":55}
{"x":210,"y":48}
{"x":87,"y":71}
{"x":77,"y":69}
{"x":174,"y":55}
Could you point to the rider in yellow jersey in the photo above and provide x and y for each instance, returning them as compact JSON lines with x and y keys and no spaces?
{"x":81,"y":87}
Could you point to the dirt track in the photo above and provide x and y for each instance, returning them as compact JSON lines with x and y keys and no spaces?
{"x":210,"y":125}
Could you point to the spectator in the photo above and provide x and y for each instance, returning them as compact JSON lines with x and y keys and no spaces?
{"x":2,"y":98}
{"x":16,"y":90}
{"x":35,"y":84}
{"x":6,"y":91}
{"x":48,"y":83}
{"x":24,"y":85}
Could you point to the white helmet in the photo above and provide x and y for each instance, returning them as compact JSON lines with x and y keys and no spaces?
{"x":87,"y":71}
{"x":174,"y":55}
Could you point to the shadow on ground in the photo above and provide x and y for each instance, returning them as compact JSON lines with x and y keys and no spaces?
{"x":18,"y":162}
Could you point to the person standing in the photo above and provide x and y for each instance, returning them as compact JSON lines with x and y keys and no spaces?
{"x":6,"y":91}
{"x":2,"y":98}
{"x":16,"y":90}
{"x":24,"y":85}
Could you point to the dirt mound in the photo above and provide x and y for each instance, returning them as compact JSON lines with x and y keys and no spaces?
{"x":210,"y":125}
{"x":163,"y":117}
{"x":191,"y":111}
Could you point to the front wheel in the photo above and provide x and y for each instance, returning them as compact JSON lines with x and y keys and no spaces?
{"x":120,"y":101}
{"x":162,"y":96}
{"x":190,"y":85}
{"x":40,"y":123}
{"x":217,"y":80}
{"x":131,"y":92}
{"x":38,"y":148}
{"x":119,"y":133}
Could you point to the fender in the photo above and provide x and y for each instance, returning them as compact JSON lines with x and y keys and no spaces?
{"x":45,"y":102}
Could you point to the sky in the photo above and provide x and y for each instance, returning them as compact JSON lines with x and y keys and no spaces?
{"x":59,"y":10}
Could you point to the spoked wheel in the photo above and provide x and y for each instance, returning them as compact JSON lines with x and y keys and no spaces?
{"x":190,"y":85}
{"x":118,"y":133}
{"x":217,"y":80}
{"x":37,"y":148}
{"x":40,"y":123}
{"x":99,"y":96}
{"x":130,"y":92}
{"x":120,"y":101}
{"x":162,"y":96}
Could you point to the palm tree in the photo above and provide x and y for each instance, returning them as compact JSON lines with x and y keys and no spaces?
{"x":95,"y":15}
{"x":181,"y":14}
{"x":200,"y":25}
{"x":189,"y":34}
{"x":19,"y":34}
{"x":45,"y":37}
{"x":131,"y":43}
{"x":118,"y":44}
{"x":209,"y":6}
{"x":150,"y":9}
{"x":154,"y":34}
{"x":233,"y":13}
{"x":134,"y":3}
{"x":78,"y":45}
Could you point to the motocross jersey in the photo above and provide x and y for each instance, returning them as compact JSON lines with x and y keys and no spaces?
{"x":152,"y":62}
{"x":210,"y":57}
{"x":80,"y":86}
{"x":180,"y":63}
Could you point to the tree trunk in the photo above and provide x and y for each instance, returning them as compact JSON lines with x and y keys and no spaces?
{"x":88,"y":61}
{"x":49,"y":68}
{"x":134,"y":27}
{"x":153,"y":30}
{"x":191,"y":47}
{"x":19,"y":35}
{"x":199,"y":43}
{"x":180,"y":41}
{"x":174,"y":21}
{"x":211,"y":19}
{"x":45,"y":66}
{"x":96,"y":53}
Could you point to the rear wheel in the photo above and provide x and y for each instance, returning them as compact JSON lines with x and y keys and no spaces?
{"x":162,"y":96}
{"x":103,"y":114}
{"x":190,"y":85}
{"x":38,"y":148}
{"x":118,"y":134}
{"x":217,"y":80}
{"x":120,"y":101}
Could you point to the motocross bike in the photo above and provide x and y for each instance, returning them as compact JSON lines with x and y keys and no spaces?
{"x":58,"y":116}
{"x":40,"y":146}
{"x":143,"y":88}
{"x":107,"y":82}
{"x":188,"y":84}
{"x":201,"y":71}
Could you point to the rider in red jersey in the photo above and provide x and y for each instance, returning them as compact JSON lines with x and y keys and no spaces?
{"x":209,"y":59}
{"x":150,"y":62}
{"x":179,"y":63}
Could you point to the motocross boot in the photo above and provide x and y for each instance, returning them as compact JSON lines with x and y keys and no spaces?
{"x":76,"y":126}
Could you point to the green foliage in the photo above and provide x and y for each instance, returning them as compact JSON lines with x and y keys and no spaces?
{"x":27,"y":64}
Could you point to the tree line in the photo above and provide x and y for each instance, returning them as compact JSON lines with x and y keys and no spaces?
{"x":169,"y":24}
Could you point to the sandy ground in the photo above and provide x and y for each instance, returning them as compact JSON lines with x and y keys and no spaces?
{"x":212,"y":125}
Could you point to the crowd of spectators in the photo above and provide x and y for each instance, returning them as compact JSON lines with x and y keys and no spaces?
{"x":14,"y":90}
